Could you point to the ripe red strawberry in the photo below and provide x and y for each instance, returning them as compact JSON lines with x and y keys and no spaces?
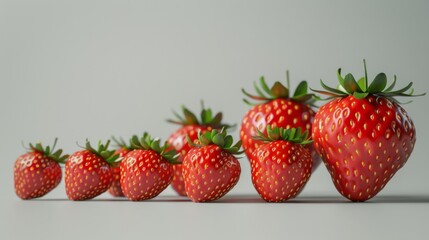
{"x":37,"y":172}
{"x":88,"y":172}
{"x":277,"y":109}
{"x":190,"y":126}
{"x":147,"y":170}
{"x":210,"y":170}
{"x":116,"y":190}
{"x":282,"y":166}
{"x":363,"y":135}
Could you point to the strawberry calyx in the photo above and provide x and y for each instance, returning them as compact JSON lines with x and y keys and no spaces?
{"x":219,"y":138}
{"x":49,"y":151}
{"x":360,"y":88}
{"x":206,"y":118}
{"x":278,"y":90}
{"x":121,"y":144}
{"x":294,"y":135}
{"x":103,"y":151}
{"x":146,"y":142}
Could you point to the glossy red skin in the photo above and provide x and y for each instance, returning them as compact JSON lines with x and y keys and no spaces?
{"x":363,"y":143}
{"x":116,"y":190}
{"x":209,"y":173}
{"x":144,"y":174}
{"x":280,"y":169}
{"x":284,"y":113}
{"x":177,"y":183}
{"x":179,"y":141}
{"x":87,"y":176}
{"x":35,"y":175}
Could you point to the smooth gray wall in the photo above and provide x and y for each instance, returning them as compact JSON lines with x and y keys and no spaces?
{"x":92,"y":69}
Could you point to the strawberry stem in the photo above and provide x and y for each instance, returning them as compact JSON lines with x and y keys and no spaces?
{"x":287,"y":79}
{"x":366,"y":73}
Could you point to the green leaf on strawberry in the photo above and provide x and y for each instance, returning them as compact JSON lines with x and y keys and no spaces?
{"x":103,"y":151}
{"x":294,"y":135}
{"x":278,"y":90}
{"x":360,"y":89}
{"x":206,"y":118}
{"x":121,"y":144}
{"x":56,"y":156}
{"x":219,"y":138}
{"x":146,"y":142}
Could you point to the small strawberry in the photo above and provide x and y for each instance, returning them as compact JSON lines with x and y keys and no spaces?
{"x":147,"y":170}
{"x":190,"y":126}
{"x":210,"y":169}
{"x":282,"y":166}
{"x":89,"y":173}
{"x":116,"y":190}
{"x":363,"y":135}
{"x":277,"y":109}
{"x":37,"y":172}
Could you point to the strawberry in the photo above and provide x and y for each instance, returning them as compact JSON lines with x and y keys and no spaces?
{"x":147,"y":170}
{"x":116,"y":190}
{"x":282,"y":166}
{"x":88,"y":172}
{"x":37,"y":172}
{"x":363,"y":135}
{"x":190,"y":126}
{"x":210,"y":169}
{"x":277,"y":109}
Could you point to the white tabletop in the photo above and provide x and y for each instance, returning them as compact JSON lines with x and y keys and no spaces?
{"x":236,"y":216}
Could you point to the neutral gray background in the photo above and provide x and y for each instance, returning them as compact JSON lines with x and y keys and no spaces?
{"x":93,"y":69}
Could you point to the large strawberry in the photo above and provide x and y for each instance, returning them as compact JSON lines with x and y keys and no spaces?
{"x":210,"y":169}
{"x":147,"y":170}
{"x":88,"y":172}
{"x":277,"y":109}
{"x":123,"y":149}
{"x":37,"y":172}
{"x":363,"y":135}
{"x":190,"y":126}
{"x":282,"y":166}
